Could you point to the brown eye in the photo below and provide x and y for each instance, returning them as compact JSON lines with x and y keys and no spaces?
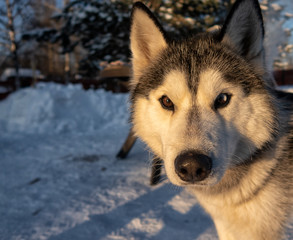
{"x":222,"y":100}
{"x":166,"y":103}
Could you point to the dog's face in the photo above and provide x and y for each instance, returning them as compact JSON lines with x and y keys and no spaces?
{"x":201,"y":104}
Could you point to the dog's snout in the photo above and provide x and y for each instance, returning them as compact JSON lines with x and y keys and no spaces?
{"x":192,"y":166}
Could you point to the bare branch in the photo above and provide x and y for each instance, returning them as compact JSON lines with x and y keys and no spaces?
{"x":50,"y":6}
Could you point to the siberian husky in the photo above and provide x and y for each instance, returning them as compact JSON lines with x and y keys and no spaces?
{"x":207,"y":106}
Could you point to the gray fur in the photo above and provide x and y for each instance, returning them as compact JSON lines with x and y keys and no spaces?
{"x":193,"y":56}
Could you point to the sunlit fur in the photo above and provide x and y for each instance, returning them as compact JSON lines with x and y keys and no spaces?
{"x":249,"y":190}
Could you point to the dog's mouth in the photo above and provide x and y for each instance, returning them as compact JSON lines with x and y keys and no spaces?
{"x":193,"y":167}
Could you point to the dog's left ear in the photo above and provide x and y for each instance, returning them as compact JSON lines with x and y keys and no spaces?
{"x":147,"y":38}
{"x":243,"y":30}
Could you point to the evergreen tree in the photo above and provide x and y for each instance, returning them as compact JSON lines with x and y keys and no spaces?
{"x":12,"y":13}
{"x":184,"y":17}
{"x":102,"y":27}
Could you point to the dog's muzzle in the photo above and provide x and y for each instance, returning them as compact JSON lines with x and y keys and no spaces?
{"x":192,"y":166}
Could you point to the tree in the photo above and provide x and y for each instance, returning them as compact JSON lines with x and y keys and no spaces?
{"x":185,"y":17}
{"x":41,"y":35}
{"x":102,"y":27}
{"x":13,"y":18}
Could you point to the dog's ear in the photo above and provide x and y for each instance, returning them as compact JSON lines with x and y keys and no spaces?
{"x":243,"y":30}
{"x":147,"y":38}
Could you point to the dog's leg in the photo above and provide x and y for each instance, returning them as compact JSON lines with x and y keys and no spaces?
{"x":156,"y":171}
{"x":156,"y":164}
{"x":128,"y":144}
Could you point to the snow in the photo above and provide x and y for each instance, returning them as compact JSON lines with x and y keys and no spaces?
{"x":278,"y":26}
{"x":276,"y":7}
{"x":286,"y":88}
{"x":53,"y":108}
{"x":23,"y":72}
{"x":59,"y":177}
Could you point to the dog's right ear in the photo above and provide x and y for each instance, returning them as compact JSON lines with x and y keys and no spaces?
{"x":147,"y":38}
{"x":244,"y":31}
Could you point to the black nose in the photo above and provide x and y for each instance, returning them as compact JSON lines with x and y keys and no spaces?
{"x":192,"y":166}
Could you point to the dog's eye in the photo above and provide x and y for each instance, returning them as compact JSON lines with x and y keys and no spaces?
{"x":222,"y":100}
{"x":166,"y":103}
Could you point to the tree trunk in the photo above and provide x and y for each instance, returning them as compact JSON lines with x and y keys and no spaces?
{"x":13,"y":44}
{"x":33,"y":67}
{"x":76,"y":59}
{"x":50,"y":58}
{"x":67,"y":57}
{"x":67,"y":68}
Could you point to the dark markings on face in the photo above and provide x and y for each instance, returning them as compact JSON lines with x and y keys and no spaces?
{"x":192,"y":56}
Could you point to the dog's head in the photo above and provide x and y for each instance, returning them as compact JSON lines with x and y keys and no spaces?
{"x":201,"y":104}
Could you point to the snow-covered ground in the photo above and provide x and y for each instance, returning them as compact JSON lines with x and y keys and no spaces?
{"x":59,"y":178}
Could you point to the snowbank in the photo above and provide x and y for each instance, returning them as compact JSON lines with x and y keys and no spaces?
{"x":53,"y":108}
